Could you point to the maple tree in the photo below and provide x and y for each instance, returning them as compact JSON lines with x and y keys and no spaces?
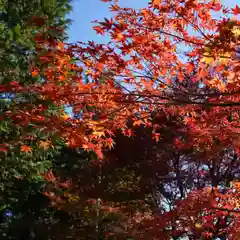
{"x":140,"y":181}
{"x":173,"y":57}
{"x":153,"y":178}
{"x":152,"y":63}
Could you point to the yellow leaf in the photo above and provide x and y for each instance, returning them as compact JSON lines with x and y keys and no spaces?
{"x":236,"y":31}
{"x":207,"y":50}
{"x":42,"y":97}
{"x":198,"y":225}
{"x":89,"y":72}
{"x":224,"y":58}
{"x":60,"y":46}
{"x":207,"y":59}
{"x":65,"y":116}
{"x":98,"y":133}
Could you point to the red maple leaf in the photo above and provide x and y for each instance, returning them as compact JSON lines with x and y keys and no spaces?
{"x":156,"y":136}
{"x":236,"y":10}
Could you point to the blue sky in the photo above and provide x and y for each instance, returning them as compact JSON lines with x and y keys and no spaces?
{"x":85,"y":11}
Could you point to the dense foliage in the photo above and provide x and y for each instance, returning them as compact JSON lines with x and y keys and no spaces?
{"x":152,"y":146}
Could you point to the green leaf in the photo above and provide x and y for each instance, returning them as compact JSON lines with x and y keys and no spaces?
{"x":10,"y":34}
{"x":17,"y":30}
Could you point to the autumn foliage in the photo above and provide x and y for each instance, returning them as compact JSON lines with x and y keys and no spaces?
{"x":172,"y":59}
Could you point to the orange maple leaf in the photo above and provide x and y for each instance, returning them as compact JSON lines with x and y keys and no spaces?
{"x":44,"y":144}
{"x":118,"y":37}
{"x":99,"y":30}
{"x":25,"y":149}
{"x":137,"y":122}
{"x":100,"y":66}
{"x":35,"y":73}
{"x":189,"y":67}
{"x":156,"y":2}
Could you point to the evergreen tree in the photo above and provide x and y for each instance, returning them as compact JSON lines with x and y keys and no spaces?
{"x":20,"y":174}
